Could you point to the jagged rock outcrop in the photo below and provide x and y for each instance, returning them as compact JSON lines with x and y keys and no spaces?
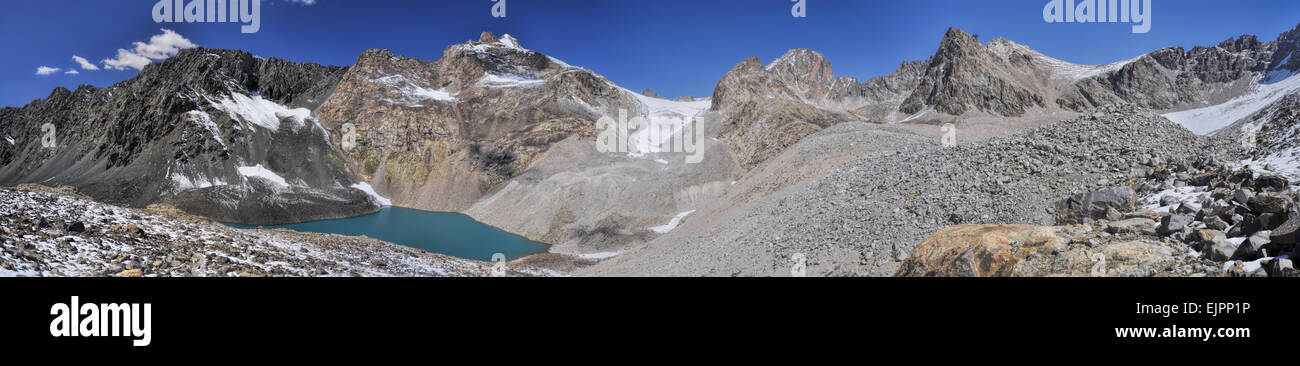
{"x":768,"y":108}
{"x":963,"y":75}
{"x":437,"y":135}
{"x":219,"y":133}
{"x":1173,"y":78}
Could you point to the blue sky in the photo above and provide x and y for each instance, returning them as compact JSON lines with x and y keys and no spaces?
{"x":676,"y":47}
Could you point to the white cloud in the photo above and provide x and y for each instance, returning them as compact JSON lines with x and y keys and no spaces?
{"x":46,"y":70}
{"x":302,"y":2}
{"x":159,"y":47}
{"x":85,"y":65}
{"x":72,"y":72}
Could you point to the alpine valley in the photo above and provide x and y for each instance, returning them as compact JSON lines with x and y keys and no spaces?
{"x":1178,"y":162}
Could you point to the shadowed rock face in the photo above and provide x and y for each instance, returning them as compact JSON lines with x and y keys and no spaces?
{"x":437,"y":135}
{"x":180,"y":132}
{"x":962,"y":75}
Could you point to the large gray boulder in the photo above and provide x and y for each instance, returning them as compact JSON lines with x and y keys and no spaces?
{"x":1090,"y":206}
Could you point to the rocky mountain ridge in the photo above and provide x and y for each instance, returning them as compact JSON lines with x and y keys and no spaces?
{"x":438,"y":135}
{"x":219,"y":133}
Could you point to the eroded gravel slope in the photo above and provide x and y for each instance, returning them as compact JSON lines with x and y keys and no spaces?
{"x":863,"y":217}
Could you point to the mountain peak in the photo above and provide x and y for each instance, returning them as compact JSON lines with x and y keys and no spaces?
{"x":487,"y":37}
{"x":955,"y":38}
{"x":509,"y":41}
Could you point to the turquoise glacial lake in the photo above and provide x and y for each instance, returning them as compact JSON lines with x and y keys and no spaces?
{"x":447,"y":233}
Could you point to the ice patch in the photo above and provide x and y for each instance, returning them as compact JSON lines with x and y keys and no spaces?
{"x":662,"y":115}
{"x":182,"y":183}
{"x":508,"y":81}
{"x":258,"y":171}
{"x":599,"y":255}
{"x":558,"y":62}
{"x":510,"y":42}
{"x":365,"y":187}
{"x":261,"y":112}
{"x":1249,"y":267}
{"x":10,"y":139}
{"x":1207,"y":120}
{"x":672,"y":224}
{"x":411,"y":94}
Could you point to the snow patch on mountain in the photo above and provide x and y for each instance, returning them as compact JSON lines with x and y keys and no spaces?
{"x":365,"y":187}
{"x":662,"y":115}
{"x":1060,"y":69}
{"x":261,"y":112}
{"x":509,"y":81}
{"x":203,"y":119}
{"x":411,"y":94}
{"x":672,"y":224}
{"x":258,"y":171}
{"x":510,"y":42}
{"x":1208,"y":120}
{"x":506,"y":41}
{"x":1285,"y":163}
{"x":182,"y":182}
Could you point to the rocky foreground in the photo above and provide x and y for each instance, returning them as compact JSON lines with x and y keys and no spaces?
{"x":864,"y":218}
{"x":49,"y":232}
{"x":1193,"y":220}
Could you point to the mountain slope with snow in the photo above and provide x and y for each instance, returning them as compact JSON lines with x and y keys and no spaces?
{"x":218,"y":133}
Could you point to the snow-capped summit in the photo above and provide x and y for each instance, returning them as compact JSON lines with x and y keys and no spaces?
{"x":511,"y":42}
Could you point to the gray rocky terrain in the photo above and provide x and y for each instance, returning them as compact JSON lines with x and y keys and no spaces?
{"x":56,"y":232}
{"x":865,"y":216}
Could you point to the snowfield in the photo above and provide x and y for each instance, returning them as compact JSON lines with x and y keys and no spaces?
{"x":663,"y":115}
{"x":672,"y":224}
{"x":1208,"y":120}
